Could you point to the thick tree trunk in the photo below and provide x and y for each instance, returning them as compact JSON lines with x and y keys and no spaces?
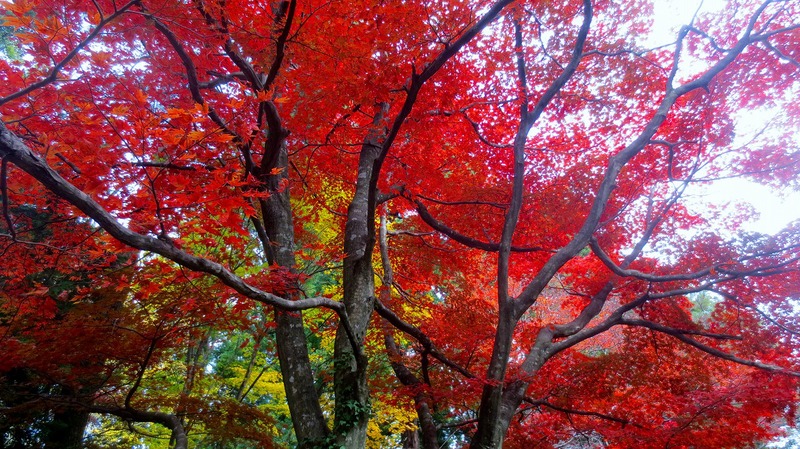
{"x":298,"y":379}
{"x":66,"y":429}
{"x":491,"y":428}
{"x":352,"y":397}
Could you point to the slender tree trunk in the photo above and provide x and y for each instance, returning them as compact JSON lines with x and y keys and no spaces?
{"x":410,"y":439}
{"x":427,"y":436}
{"x":196,"y":354}
{"x":422,"y":399}
{"x":242,"y":390}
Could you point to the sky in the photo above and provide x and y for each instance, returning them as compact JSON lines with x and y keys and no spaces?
{"x":772,"y":210}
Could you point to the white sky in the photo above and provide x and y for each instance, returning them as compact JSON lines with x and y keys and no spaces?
{"x":773,"y":211}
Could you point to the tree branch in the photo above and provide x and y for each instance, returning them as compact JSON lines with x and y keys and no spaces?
{"x":70,"y":56}
{"x":422,"y":399}
{"x":420,"y":336}
{"x":619,"y":160}
{"x":248,"y":73}
{"x":280,"y":45}
{"x":16,"y":152}
{"x":714,"y":351}
{"x":413,"y":89}
{"x":167,"y":420}
{"x":4,"y":195}
{"x":570,"y":411}
{"x":738,"y":302}
{"x":468,"y":241}
{"x":606,"y":259}
{"x":191,"y":73}
{"x":674,"y":331}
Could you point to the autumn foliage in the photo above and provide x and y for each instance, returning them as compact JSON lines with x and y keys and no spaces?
{"x":429,"y":224}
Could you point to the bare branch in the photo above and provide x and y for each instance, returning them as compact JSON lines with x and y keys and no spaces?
{"x":69,"y":163}
{"x":143,"y":366}
{"x":781,"y":54}
{"x":280,"y":45}
{"x":480,"y":135}
{"x":673,"y":331}
{"x":465,"y":203}
{"x":586,"y":315}
{"x":570,"y":411}
{"x":616,"y":269}
{"x":220,"y":79}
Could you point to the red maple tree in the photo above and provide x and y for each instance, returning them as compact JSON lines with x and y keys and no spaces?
{"x":507,"y":185}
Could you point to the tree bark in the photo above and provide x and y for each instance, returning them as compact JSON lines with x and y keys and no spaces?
{"x":491,"y":429}
{"x":298,"y":379}
{"x":352,"y":396}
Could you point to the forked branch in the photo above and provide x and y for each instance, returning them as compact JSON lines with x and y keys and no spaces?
{"x":51,"y":77}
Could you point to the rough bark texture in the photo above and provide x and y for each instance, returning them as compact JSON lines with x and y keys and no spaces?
{"x":352,"y":397}
{"x":491,"y":431}
{"x":298,"y":379}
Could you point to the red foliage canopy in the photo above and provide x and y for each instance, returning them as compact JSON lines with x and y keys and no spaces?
{"x":520,"y":179}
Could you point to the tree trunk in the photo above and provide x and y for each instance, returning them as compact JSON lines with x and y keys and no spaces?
{"x":410,"y":439}
{"x":491,"y":428}
{"x":352,"y":397}
{"x":422,"y":400}
{"x":298,"y":379}
{"x":66,"y":429}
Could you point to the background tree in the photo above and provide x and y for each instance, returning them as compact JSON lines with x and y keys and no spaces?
{"x":534,"y":164}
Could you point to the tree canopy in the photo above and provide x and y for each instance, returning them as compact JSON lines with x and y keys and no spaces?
{"x":327,"y":223}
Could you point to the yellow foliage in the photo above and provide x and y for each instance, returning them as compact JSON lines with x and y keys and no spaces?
{"x":388,"y":422}
{"x":269,"y":384}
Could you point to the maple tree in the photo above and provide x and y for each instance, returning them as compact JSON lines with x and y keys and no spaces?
{"x":466,"y":222}
{"x":81,"y":324}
